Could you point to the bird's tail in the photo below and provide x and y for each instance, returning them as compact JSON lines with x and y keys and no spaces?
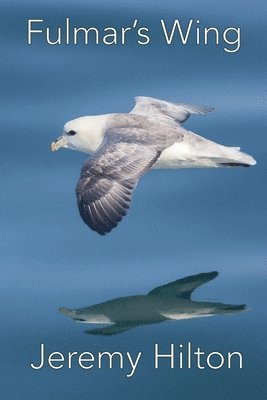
{"x":217,"y":154}
{"x":233,"y":157}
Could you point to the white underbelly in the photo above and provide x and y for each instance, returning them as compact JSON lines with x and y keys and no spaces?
{"x":197,"y":152}
{"x":182,"y":155}
{"x":179,"y":316}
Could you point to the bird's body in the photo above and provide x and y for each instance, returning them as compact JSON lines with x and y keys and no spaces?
{"x":124,"y":146}
{"x":193,"y":152}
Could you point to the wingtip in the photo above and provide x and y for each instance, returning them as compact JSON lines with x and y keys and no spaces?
{"x":204,"y":109}
{"x":213,"y":273}
{"x":210,"y":275}
{"x":209,"y":109}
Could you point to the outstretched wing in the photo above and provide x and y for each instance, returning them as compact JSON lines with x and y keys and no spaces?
{"x":108,"y":179}
{"x":184,"y":287}
{"x":177,"y":111}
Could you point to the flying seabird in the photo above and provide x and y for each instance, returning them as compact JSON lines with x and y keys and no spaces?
{"x":124,"y":146}
{"x":171,"y":301}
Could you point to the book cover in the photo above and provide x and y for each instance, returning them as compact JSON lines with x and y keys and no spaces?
{"x":134,"y":256}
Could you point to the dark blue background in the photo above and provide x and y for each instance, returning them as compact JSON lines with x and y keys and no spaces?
{"x":181,"y":222}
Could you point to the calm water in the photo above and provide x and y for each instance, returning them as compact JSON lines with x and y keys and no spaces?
{"x":181,"y":222}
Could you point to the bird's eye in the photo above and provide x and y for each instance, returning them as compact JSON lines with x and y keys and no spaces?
{"x":71,"y":133}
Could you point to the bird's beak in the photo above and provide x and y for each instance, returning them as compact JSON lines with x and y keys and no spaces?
{"x":57,"y":144}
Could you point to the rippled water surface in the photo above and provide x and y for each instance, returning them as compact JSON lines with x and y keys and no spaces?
{"x":181,"y":223}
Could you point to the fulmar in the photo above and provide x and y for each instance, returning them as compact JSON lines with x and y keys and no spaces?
{"x":123,"y":146}
{"x":171,"y":301}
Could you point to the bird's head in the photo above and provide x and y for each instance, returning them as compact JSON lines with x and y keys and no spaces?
{"x":79,"y":134}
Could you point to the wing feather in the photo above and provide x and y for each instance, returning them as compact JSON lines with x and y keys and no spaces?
{"x":184,"y":287}
{"x":177,"y":111}
{"x":107,"y":181}
{"x":129,"y":148}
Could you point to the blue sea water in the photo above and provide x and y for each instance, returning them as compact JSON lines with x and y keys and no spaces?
{"x":181,"y":222}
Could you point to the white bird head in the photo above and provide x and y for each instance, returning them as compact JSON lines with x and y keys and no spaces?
{"x":83,"y":134}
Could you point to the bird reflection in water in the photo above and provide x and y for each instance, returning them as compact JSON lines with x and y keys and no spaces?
{"x":171,"y":301}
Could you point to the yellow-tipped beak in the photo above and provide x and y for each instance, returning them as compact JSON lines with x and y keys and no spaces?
{"x":57,"y":144}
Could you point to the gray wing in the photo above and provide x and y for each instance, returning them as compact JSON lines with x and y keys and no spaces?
{"x":184,"y":287}
{"x":177,"y":111}
{"x":108,"y":179}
